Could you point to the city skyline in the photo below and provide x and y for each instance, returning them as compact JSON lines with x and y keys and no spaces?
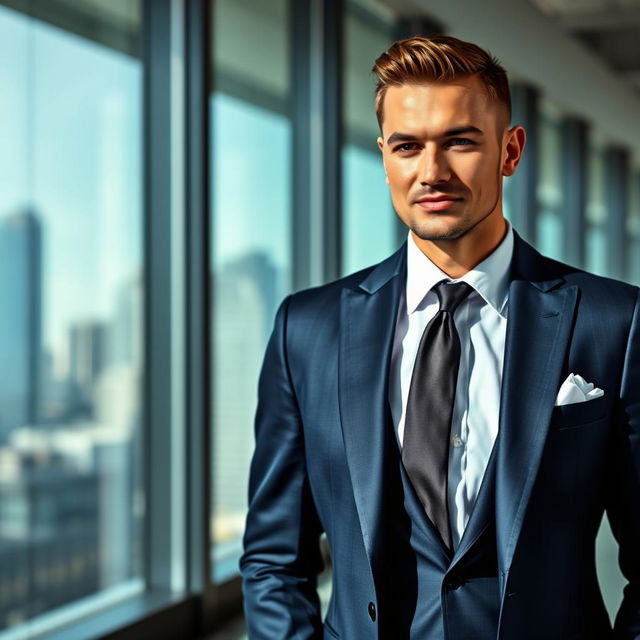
{"x":70,"y":458}
{"x":72,"y":131}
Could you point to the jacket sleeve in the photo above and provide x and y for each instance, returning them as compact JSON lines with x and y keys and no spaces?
{"x":281,"y":556}
{"x":623,"y":496}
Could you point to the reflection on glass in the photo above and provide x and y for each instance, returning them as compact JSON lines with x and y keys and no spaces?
{"x":70,"y":328}
{"x":370,"y":226}
{"x":549,"y":221}
{"x":251,"y":242}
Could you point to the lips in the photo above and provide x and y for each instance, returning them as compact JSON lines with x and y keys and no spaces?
{"x":439,"y":203}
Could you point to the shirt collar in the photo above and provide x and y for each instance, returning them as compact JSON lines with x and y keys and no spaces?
{"x":490,"y":278}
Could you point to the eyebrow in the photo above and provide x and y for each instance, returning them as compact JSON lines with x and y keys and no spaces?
{"x":456,"y":131}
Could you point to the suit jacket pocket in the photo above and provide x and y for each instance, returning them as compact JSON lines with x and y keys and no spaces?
{"x":573,"y":415}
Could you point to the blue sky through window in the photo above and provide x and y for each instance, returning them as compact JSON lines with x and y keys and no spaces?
{"x":70,"y":131}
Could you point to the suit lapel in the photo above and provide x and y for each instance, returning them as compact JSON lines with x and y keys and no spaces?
{"x":538,"y":332}
{"x":367,"y":325}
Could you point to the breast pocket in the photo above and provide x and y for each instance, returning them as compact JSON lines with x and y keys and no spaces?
{"x":577,"y":414}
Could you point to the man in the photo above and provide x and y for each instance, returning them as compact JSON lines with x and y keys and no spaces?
{"x":456,"y":418}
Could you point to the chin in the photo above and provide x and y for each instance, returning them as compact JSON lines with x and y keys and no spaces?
{"x":439,"y":229}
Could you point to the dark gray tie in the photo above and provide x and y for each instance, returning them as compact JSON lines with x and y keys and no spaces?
{"x":427,"y":427}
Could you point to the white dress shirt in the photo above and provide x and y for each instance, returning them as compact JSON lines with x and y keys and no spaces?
{"x":481,"y":322}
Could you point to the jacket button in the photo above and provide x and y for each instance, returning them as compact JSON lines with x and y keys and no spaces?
{"x":372,"y":611}
{"x":454,"y":582}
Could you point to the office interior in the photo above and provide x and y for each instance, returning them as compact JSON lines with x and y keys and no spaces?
{"x":171,"y":170}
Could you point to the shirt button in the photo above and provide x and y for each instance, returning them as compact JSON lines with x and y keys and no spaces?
{"x":456,"y":441}
{"x":372,"y":611}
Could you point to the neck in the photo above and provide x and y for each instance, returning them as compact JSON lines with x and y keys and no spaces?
{"x":456,"y":256}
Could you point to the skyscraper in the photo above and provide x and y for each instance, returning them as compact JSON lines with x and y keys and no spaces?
{"x":20,"y":319}
{"x":87,"y":347}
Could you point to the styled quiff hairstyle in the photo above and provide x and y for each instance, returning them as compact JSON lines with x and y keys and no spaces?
{"x":438,"y":58}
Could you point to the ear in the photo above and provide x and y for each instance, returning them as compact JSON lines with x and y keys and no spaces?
{"x":516,"y":138}
{"x":380,"y":142}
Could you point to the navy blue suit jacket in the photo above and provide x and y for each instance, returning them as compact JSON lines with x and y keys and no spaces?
{"x":318,"y":462}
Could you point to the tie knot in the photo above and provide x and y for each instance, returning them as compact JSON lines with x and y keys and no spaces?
{"x":451,"y":294}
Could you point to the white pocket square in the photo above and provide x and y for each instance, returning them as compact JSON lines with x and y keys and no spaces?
{"x":576,"y":389}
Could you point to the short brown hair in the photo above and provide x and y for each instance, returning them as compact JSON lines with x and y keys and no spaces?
{"x":438,"y":58}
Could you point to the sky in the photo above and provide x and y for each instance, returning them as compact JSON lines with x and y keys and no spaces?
{"x":251,"y":171}
{"x":70,"y":147}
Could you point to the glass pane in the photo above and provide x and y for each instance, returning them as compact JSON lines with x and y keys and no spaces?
{"x":596,"y":250}
{"x":634,"y":260}
{"x":550,"y":234}
{"x":633,"y":229}
{"x":71,"y":259}
{"x":251,"y":241}
{"x":370,"y":225}
{"x":596,"y":234}
{"x":596,"y":196}
{"x":369,"y":222}
{"x":550,"y":226}
{"x":509,"y":194}
{"x":610,"y":578}
{"x":633,"y":217}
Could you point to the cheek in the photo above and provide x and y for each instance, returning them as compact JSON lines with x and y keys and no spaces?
{"x":401,"y":175}
{"x":478,"y":174}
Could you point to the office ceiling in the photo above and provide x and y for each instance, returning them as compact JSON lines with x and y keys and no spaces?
{"x":610,"y":28}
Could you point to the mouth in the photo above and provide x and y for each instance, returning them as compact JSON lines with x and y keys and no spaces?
{"x":439,"y":203}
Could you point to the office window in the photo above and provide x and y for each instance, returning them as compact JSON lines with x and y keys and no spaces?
{"x":370,"y":226}
{"x":596,"y":233}
{"x":71,"y":332}
{"x":549,"y":220}
{"x":250,"y":239}
{"x":509,"y":196}
{"x":633,"y":228}
{"x":511,"y":193}
{"x":519,"y":192}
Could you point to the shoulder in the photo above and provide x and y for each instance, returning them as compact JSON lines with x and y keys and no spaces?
{"x":324,"y":299}
{"x":606,"y":305}
{"x":607,"y":293}
{"x":602,"y":288}
{"x":329,"y":292}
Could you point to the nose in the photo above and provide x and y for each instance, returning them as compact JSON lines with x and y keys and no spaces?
{"x":434,"y":167}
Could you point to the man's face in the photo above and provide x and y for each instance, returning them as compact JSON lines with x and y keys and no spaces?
{"x":445,"y":148}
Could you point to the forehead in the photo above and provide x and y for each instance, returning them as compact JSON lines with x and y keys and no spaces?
{"x":438,"y":105}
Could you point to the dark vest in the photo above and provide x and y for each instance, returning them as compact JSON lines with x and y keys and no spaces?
{"x":418,"y":599}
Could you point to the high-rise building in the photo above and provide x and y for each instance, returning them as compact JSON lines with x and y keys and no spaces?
{"x":87,"y":351}
{"x":20,"y":319}
{"x":246,"y":297}
{"x":126,"y":325}
{"x":49,"y":529}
